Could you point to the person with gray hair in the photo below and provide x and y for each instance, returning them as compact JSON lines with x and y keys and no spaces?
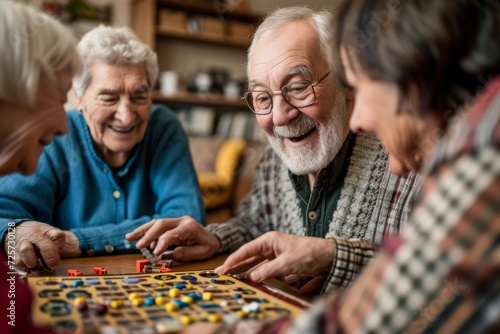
{"x":35,"y":76}
{"x":318,"y":189}
{"x":124,"y":161}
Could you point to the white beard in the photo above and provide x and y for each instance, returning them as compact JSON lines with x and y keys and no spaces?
{"x":313,"y":157}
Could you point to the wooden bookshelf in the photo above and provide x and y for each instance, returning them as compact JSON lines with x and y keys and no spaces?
{"x":209,"y":100}
{"x":214,"y":40}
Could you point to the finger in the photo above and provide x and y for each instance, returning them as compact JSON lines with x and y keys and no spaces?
{"x":241,"y":267}
{"x":27,"y":255}
{"x":57,"y":237}
{"x":280,"y":266}
{"x":243,"y":255}
{"x":314,"y":284}
{"x":153,"y":244}
{"x":290,"y":279}
{"x":190,"y":253}
{"x":203,"y":328}
{"x":156,"y":229}
{"x":172,"y":237}
{"x":139,"y":232}
{"x":48,"y":251}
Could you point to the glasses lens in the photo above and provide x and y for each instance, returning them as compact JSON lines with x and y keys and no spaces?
{"x":299,"y":94}
{"x":259,"y":102}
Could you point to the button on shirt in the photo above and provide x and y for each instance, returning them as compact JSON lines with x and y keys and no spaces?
{"x":318,"y":206}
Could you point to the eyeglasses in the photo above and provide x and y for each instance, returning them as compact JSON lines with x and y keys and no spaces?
{"x":298,"y":94}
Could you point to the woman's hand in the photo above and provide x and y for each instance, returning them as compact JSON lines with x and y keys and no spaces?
{"x":33,"y":241}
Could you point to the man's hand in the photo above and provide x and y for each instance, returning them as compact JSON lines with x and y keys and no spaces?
{"x":36,"y":240}
{"x":285,"y":254}
{"x":193,"y":240}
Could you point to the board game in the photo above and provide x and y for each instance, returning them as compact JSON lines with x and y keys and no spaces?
{"x":149,"y":303}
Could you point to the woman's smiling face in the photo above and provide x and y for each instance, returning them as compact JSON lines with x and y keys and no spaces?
{"x":116,"y":106}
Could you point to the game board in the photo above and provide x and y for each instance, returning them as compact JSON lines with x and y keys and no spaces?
{"x":149,"y":303}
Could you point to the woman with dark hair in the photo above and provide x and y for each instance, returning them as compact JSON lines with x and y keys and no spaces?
{"x":426,"y":76}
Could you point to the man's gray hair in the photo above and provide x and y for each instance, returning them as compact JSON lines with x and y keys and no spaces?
{"x":322,"y":21}
{"x":113,"y":46}
{"x":33,"y":45}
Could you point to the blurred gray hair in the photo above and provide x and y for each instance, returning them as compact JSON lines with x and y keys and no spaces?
{"x":113,"y":46}
{"x":322,"y":21}
{"x":33,"y":44}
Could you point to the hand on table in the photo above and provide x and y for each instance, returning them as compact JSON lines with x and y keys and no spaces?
{"x":285,"y":254}
{"x":35,"y":240}
{"x":71,"y":247}
{"x":193,"y":240}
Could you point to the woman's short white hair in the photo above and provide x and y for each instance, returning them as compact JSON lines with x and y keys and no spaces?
{"x":113,"y":46}
{"x":322,"y":21}
{"x":32,"y":44}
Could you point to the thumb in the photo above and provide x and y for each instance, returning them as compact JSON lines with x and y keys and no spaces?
{"x":57,"y":236}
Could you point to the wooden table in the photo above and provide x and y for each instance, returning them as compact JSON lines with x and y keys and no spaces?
{"x":122,"y":264}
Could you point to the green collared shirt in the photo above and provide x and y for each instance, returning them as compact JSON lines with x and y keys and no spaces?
{"x":319,"y":205}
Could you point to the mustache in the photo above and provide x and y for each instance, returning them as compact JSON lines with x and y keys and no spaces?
{"x":300,"y":126}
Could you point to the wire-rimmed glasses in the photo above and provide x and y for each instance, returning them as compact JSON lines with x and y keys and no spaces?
{"x":298,"y":94}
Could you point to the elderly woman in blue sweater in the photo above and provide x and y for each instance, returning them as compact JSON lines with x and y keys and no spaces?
{"x":124,"y":162}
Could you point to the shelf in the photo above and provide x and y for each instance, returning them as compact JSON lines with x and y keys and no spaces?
{"x":223,"y":41}
{"x":217,"y":8}
{"x":210,"y":100}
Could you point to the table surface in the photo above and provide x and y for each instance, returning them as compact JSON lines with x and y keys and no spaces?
{"x":123,"y":264}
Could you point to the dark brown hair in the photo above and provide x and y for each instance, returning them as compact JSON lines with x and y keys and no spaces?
{"x":444,"y":49}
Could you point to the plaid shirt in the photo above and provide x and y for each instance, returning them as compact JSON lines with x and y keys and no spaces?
{"x":443,"y":274}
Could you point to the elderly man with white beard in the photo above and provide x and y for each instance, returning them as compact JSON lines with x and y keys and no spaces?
{"x":318,"y":188}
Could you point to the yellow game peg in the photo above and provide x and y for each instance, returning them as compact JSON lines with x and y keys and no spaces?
{"x":117,"y":304}
{"x":79,"y":300}
{"x":174,"y":292}
{"x":159,"y":301}
{"x":171,"y":307}
{"x":133,"y":295}
{"x":138,"y":301}
{"x":186,"y":320}
{"x":207,"y":296}
{"x":187,"y":299}
{"x":215,"y":317}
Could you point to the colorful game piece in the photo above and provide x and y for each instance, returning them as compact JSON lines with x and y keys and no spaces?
{"x":133,"y":295}
{"x":187,"y":299}
{"x":101,"y":309}
{"x":215,"y":317}
{"x":77,"y":283}
{"x":159,"y":301}
{"x":139,"y":265}
{"x":189,"y":286}
{"x":74,"y":272}
{"x":186,"y":319}
{"x":138,"y":301}
{"x":63,"y":285}
{"x":100,"y":271}
{"x":82,"y":307}
{"x":207,"y":296}
{"x":150,"y":301}
{"x":171,"y":307}
{"x":48,"y":279}
{"x":237,"y":295}
{"x":116,"y":304}
{"x":174,"y":292}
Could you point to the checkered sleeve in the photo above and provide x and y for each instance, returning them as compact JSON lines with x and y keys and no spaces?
{"x":441,"y":277}
{"x":349,"y":259}
{"x":231,"y":235}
